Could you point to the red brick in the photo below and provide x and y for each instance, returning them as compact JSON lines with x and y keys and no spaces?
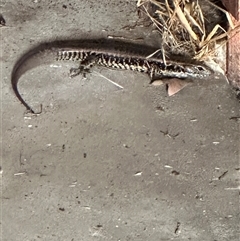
{"x":233,"y":48}
{"x":233,"y":6}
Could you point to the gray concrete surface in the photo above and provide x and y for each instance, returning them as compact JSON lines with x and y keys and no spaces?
{"x":101,"y":163}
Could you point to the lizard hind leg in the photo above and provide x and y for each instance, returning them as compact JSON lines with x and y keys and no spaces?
{"x":80,"y":70}
{"x":84,"y":66}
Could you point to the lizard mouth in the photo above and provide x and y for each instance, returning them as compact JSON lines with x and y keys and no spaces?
{"x":198,"y":70}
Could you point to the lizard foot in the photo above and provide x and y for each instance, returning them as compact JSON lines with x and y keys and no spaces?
{"x":80,"y":70}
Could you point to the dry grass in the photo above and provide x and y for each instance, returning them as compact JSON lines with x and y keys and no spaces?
{"x":182,"y":27}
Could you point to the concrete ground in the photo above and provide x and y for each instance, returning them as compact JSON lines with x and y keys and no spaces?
{"x":103,"y":163}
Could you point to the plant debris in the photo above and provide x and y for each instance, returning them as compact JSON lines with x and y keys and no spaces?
{"x":187,"y":27}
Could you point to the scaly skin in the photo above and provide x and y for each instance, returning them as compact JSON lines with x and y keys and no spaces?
{"x":88,"y":55}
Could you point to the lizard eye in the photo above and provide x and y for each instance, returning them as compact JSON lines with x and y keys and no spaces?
{"x":200,"y":68}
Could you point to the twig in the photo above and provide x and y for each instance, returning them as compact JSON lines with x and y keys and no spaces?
{"x":119,"y":86}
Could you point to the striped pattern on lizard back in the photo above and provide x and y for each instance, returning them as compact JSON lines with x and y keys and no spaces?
{"x":153,"y":67}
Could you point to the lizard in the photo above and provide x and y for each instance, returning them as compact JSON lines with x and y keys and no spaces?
{"x":115,"y":55}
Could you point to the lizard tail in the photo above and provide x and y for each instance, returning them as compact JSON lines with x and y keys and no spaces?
{"x":32,"y":59}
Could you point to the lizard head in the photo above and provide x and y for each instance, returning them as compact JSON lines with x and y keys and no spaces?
{"x":197,"y":71}
{"x":182,"y":71}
